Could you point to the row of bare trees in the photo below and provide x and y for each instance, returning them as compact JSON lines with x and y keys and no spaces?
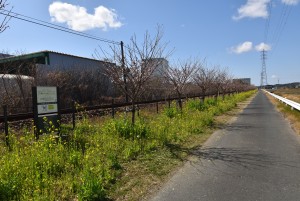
{"x":144,"y":81}
{"x":193,"y":76}
{"x":143,"y":70}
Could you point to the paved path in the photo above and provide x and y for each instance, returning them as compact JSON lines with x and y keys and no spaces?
{"x":255,"y":158}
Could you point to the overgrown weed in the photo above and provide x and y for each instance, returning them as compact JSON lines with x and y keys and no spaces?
{"x":92,"y":162}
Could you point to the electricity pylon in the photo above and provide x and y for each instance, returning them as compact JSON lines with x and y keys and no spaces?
{"x":263,"y":78}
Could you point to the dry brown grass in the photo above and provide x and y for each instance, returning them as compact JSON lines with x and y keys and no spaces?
{"x":292,"y":94}
{"x":293,"y":116}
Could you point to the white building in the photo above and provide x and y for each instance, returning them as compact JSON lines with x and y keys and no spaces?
{"x":243,"y":80}
{"x":161,"y":66}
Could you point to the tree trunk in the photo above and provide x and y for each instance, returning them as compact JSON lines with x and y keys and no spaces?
{"x":180,"y":102}
{"x":133,"y":113}
{"x":203,"y":97}
{"x":217,"y":95}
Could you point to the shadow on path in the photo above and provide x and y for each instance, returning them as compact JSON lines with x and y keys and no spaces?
{"x":250,"y":159}
{"x":233,"y":157}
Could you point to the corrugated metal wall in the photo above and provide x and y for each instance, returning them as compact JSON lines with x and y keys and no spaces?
{"x":66,"y":62}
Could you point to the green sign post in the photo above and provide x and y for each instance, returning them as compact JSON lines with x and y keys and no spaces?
{"x":46,"y":110}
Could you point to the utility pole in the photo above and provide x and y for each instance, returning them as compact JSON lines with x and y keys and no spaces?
{"x":124,"y":71}
{"x":263,"y":78}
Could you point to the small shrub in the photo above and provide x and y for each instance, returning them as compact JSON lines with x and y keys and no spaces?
{"x":207,"y":119}
{"x":92,"y":188}
{"x":123,"y":128}
{"x":114,"y":162}
{"x":75,"y":158}
{"x":9,"y":189}
{"x":211,"y":102}
{"x":127,"y":130}
{"x":196,"y":105}
{"x":171,"y":112}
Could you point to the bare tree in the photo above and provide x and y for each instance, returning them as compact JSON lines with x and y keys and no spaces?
{"x":156,"y":88}
{"x":180,"y":76}
{"x":3,"y":11}
{"x":204,"y":79}
{"x":220,"y":81}
{"x":132,"y":73}
{"x":85,"y":86}
{"x":238,"y":86}
{"x":15,"y":91}
{"x":227,"y":81}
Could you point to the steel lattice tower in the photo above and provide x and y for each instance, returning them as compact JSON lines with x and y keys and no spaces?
{"x":263,"y":78}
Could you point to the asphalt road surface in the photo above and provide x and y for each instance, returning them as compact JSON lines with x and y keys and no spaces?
{"x":257,"y":157}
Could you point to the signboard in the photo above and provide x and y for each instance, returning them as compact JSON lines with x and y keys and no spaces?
{"x":46,"y":94}
{"x":46,"y":109}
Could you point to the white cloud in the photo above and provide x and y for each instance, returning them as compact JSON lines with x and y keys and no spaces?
{"x":242,"y":48}
{"x":254,"y":9}
{"x":290,"y":2}
{"x":78,"y":19}
{"x":263,"y":46}
{"x":274,"y":76}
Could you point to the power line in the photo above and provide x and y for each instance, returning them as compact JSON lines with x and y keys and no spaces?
{"x":54,"y":26}
{"x":60,"y":28}
{"x":268,"y":21}
{"x":281,"y":26}
{"x":280,"y":22}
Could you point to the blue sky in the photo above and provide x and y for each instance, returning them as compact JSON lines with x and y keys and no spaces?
{"x":227,"y":33}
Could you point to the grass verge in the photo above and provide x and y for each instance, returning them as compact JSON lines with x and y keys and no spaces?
{"x":293,"y":116}
{"x":111,"y":159}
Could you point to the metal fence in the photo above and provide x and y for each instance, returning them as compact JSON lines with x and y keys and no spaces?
{"x":112,"y":106}
{"x":7,"y":118}
{"x":293,"y":104}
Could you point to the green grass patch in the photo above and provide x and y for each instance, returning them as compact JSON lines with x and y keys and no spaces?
{"x":109,"y":160}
